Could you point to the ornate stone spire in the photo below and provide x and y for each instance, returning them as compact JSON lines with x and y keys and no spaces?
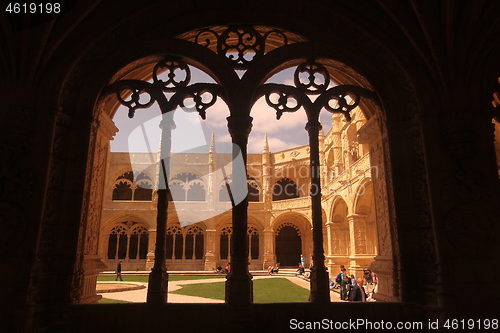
{"x":266,"y":145}
{"x":211,"y":152}
{"x":212,"y":143}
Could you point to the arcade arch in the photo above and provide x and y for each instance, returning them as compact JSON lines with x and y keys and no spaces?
{"x":239,"y":106}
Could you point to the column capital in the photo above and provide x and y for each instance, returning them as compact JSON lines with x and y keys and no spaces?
{"x":239,"y":125}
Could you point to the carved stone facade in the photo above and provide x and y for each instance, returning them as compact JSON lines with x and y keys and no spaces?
{"x":281,"y":183}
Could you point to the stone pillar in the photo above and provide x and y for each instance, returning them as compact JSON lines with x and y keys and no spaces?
{"x":320,"y":292}
{"x":329,"y":248}
{"x":210,"y":250}
{"x":383,"y":265}
{"x":150,"y":258}
{"x":239,"y":287}
{"x":269,"y":249}
{"x":266,"y":177}
{"x":91,"y":266}
{"x":158,"y":278}
{"x":358,"y":260}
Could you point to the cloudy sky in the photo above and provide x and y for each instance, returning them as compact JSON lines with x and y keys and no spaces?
{"x":141,"y":133}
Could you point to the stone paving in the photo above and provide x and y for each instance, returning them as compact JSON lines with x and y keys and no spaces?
{"x":137,"y":291}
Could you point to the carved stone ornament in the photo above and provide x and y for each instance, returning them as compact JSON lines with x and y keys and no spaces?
{"x":172,"y":76}
{"x":312,"y":78}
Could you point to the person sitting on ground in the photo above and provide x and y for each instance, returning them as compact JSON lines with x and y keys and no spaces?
{"x":227,"y":268}
{"x":219,"y":269}
{"x":276,"y":268}
{"x":300,"y":270}
{"x":332,"y":283}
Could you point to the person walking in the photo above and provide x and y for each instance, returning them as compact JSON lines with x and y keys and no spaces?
{"x":119,"y":271}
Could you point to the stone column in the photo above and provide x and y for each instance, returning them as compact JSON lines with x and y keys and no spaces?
{"x":210,"y":251}
{"x":269,"y":250}
{"x":329,"y":248}
{"x":383,"y":265}
{"x":320,"y":292}
{"x":158,"y":278}
{"x":150,"y":259}
{"x":92,"y":265}
{"x":239,"y":287}
{"x":357,"y":232}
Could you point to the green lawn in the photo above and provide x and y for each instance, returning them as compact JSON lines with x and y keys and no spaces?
{"x":145,"y":278}
{"x":264,"y":291}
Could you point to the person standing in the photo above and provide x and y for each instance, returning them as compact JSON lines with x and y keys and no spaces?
{"x":119,"y":271}
{"x":303,"y":260}
{"x":344,"y":282}
{"x":357,"y":293}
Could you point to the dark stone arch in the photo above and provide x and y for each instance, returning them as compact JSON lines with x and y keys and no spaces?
{"x":288,"y":245}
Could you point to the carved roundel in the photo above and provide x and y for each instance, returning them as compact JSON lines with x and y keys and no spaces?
{"x":312,"y":77}
{"x":172,"y":73}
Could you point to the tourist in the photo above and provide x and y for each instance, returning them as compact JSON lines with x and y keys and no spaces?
{"x":344,"y":283}
{"x":357,"y":293}
{"x":119,"y":271}
{"x":353,"y":280}
{"x":367,"y":274}
{"x":300,"y":270}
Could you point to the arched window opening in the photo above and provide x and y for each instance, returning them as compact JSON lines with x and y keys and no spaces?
{"x":196,"y":191}
{"x":289,"y":166}
{"x":133,"y":186}
{"x":187,"y":186}
{"x":253,"y":243}
{"x":177,"y":190}
{"x":122,"y":190}
{"x":194,"y":243}
{"x":144,"y":190}
{"x":225,"y":242}
{"x":288,"y":245}
{"x":174,"y":241}
{"x":284,"y":189}
{"x":139,"y":243}
{"x":128,"y":241}
{"x":185,"y":244}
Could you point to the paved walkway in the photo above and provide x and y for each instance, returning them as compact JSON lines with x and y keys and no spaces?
{"x":139,"y":295}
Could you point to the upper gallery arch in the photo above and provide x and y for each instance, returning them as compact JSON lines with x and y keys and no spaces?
{"x":239,"y":58}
